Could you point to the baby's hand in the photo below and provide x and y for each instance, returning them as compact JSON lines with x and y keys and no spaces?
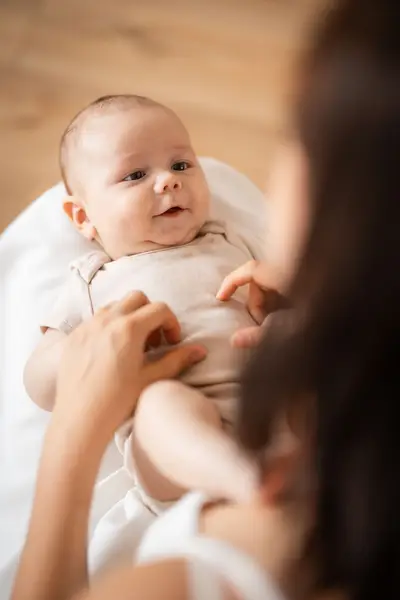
{"x":263,"y":298}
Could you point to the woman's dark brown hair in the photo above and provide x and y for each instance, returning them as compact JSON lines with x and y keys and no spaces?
{"x":346,"y":352}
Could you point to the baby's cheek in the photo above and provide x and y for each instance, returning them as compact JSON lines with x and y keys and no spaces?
{"x":202,"y":200}
{"x":132,"y":216}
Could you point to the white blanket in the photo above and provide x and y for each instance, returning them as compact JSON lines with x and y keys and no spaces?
{"x":34,"y":253}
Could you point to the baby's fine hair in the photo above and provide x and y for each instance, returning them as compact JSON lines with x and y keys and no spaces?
{"x":97,"y":107}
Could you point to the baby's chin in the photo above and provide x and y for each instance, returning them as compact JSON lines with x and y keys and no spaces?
{"x":177,"y":239}
{"x":177,"y":230}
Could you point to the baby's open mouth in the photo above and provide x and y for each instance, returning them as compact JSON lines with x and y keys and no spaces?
{"x":172,"y":212}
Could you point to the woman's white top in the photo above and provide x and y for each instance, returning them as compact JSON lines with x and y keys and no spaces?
{"x":213,"y":565}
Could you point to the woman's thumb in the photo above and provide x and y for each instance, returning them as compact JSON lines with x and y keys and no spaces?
{"x":174,"y":362}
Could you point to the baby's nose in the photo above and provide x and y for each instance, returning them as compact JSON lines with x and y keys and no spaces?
{"x":167,"y":182}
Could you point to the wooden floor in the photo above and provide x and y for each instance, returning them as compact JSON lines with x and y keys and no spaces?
{"x":223,"y":65}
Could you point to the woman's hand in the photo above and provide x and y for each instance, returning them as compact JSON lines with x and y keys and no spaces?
{"x":104,"y":367}
{"x":103,"y":371}
{"x":263,"y":298}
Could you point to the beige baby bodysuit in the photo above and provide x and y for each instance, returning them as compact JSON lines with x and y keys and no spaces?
{"x":187,"y":278}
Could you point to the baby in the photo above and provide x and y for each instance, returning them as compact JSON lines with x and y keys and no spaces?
{"x":135,"y":186}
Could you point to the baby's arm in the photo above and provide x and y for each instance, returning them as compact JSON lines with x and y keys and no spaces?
{"x":178,"y":444}
{"x":41,"y":369}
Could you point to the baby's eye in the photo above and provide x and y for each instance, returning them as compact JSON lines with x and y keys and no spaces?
{"x":135,"y":176}
{"x":182,"y":165}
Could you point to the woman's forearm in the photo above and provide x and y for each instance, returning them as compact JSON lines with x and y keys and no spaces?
{"x":53,"y":563}
{"x":101,"y":375}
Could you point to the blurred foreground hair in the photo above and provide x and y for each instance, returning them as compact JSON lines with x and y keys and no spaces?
{"x":346,"y":351}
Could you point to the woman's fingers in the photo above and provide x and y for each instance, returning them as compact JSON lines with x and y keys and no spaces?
{"x":154,"y":340}
{"x":155,"y":316}
{"x":104,"y":359}
{"x":251,"y":336}
{"x":257,"y":303}
{"x":261,"y":302}
{"x":251,"y":272}
{"x":238,"y":278}
{"x":262,"y":296}
{"x":129,"y":303}
{"x":247,"y":338}
{"x":174,"y":362}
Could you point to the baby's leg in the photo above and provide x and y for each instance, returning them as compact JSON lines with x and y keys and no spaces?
{"x":179,"y":444}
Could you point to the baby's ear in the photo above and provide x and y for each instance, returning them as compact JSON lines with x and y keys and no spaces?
{"x":75,"y":211}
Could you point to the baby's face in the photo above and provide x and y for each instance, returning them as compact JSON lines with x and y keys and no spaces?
{"x":139,"y":180}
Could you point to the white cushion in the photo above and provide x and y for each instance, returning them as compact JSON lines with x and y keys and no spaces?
{"x":34,"y":253}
